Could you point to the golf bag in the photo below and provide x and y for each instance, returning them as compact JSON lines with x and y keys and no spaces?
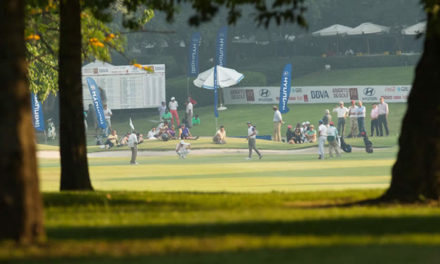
{"x":344,"y":146}
{"x":368,"y":143}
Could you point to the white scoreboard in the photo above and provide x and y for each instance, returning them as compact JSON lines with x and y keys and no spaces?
{"x":126,"y":87}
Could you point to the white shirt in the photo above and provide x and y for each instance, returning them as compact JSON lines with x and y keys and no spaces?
{"x":361,"y":111}
{"x":151,"y":134}
{"x":374,"y":113}
{"x":251,"y":130}
{"x":277,"y":116}
{"x":342,"y":111}
{"x":322,"y":130}
{"x":173,"y":105}
{"x":383,"y":109}
{"x":189,"y":107}
{"x":182,"y":147}
{"x":132,"y":140}
{"x":162,"y":109}
{"x":108,"y":113}
{"x":353,"y":111}
{"x":332,"y":131}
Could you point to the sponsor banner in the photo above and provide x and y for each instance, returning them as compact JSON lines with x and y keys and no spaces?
{"x":318,"y":94}
{"x":96,"y":97}
{"x":222,"y":38}
{"x":37,"y":113}
{"x":120,"y":70}
{"x":285,"y":88}
{"x":193,"y":59}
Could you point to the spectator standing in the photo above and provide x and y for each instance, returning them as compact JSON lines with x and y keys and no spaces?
{"x":196,"y":120}
{"x":374,"y":115}
{"x":108,"y":115}
{"x":342,"y":112}
{"x":353,"y":114}
{"x":172,"y":105}
{"x":361,"y":117}
{"x":327,"y":118}
{"x":322,"y":130}
{"x":332,"y":138}
{"x":383,"y":116}
{"x":161,"y":110}
{"x":167,"y":117}
{"x":189,"y":112}
{"x":132,"y":143}
{"x":252,"y":137}
{"x":220,"y":136}
{"x":277,"y":122}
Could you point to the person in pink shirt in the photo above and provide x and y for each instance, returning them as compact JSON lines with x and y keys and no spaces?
{"x":374,"y":115}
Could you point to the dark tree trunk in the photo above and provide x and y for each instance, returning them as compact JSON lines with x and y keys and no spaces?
{"x":416,"y":173}
{"x":21,"y":209}
{"x":74,"y":167}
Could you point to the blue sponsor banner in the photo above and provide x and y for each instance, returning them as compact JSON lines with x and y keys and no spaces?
{"x":285,"y":88}
{"x":96,"y":97}
{"x":193,"y":58}
{"x":37,"y":113}
{"x":215,"y":91}
{"x":222,"y":38}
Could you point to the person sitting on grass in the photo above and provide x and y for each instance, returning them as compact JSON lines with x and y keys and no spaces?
{"x":163,"y":128}
{"x":220,"y":136}
{"x":112,"y":140}
{"x":171,"y":132}
{"x":290,"y":135}
{"x":196,"y":120}
{"x":298,"y":136}
{"x":124,"y":140}
{"x":152,"y":134}
{"x":182,"y":149}
{"x":184,"y":133}
{"x":311,"y":134}
{"x":140,"y":138}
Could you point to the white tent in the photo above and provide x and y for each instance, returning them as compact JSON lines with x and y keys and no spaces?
{"x":368,"y":28}
{"x":416,"y":29}
{"x":225,"y":78}
{"x":334,"y":30}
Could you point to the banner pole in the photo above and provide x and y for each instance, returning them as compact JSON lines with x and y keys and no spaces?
{"x":187,"y":86}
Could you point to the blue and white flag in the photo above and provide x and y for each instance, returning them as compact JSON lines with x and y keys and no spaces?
{"x":285,"y":88}
{"x":222,"y":38}
{"x":215,"y":91}
{"x":96,"y":97}
{"x":37,"y":113}
{"x":193,"y":57}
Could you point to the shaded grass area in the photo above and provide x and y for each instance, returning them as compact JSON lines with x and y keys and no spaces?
{"x":182,"y":227}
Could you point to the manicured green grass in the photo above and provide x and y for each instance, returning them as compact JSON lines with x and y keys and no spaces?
{"x":158,"y":227}
{"x":232,"y":173}
{"x":359,"y":76}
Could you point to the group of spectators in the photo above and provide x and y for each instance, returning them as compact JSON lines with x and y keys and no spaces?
{"x":356,"y":114}
{"x":303,"y":133}
{"x":169,"y":114}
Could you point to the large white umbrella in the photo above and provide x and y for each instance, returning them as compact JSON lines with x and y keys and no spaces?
{"x":368,"y":28}
{"x":333,"y":30}
{"x":225,"y":78}
{"x":416,"y":29}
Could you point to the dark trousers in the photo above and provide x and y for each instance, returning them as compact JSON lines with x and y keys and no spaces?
{"x":252,"y":146}
{"x":361,"y":124}
{"x":383,"y":122}
{"x":375,"y":126}
{"x":341,"y":126}
{"x":134,"y":151}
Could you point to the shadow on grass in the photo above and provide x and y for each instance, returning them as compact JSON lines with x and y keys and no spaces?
{"x":342,"y":226}
{"x":390,"y":254}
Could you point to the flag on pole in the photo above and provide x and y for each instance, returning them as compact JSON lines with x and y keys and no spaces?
{"x":131,"y":124}
{"x":37,"y":113}
{"x":193,"y":57}
{"x":222,"y":38}
{"x":96,"y":97}
{"x":285,"y":88}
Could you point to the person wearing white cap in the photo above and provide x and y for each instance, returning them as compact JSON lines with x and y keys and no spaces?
{"x":172,"y":105}
{"x":182,"y":149}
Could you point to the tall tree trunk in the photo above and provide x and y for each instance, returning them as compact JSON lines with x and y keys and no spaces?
{"x":21,"y":209}
{"x":416,"y":173}
{"x":74,"y":167}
